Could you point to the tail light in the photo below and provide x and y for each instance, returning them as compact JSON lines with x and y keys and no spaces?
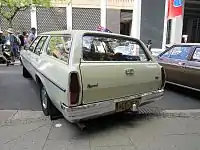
{"x":163,"y":77}
{"x":74,"y":89}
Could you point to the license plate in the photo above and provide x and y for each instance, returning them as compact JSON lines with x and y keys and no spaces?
{"x":125,"y":105}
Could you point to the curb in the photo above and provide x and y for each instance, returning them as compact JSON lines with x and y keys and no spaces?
{"x":27,"y":117}
{"x":192,"y":113}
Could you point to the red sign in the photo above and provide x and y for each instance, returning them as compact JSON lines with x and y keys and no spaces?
{"x":175,"y":8}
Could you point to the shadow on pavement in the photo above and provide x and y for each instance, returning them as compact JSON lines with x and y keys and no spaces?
{"x":185,"y":92}
{"x":121,"y":120}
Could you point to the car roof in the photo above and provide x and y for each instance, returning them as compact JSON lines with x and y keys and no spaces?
{"x":81,"y":32}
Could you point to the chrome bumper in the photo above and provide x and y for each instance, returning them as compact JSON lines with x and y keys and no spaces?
{"x":88,"y":111}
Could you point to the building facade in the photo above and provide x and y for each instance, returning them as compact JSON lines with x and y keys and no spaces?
{"x":143,"y":19}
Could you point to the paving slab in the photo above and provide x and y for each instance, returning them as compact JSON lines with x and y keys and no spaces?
{"x":6,"y":115}
{"x":34,"y":139}
{"x":121,"y":132}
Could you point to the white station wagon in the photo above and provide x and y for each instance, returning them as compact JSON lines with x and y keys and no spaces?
{"x":84,"y":74}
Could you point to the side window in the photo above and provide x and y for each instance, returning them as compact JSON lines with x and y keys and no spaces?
{"x":103,"y":48}
{"x":180,"y":52}
{"x":34,"y":44}
{"x":40,"y":45}
{"x":59,"y":47}
{"x":196,"y":55}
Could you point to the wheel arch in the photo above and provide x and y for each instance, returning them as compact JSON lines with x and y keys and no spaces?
{"x":40,"y":81}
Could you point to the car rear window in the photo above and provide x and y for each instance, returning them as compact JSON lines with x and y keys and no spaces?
{"x":112,"y":48}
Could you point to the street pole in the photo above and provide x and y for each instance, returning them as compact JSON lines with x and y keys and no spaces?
{"x":103,"y":13}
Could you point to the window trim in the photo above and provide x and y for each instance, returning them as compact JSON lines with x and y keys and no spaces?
{"x":38,"y":37}
{"x":142,"y":45}
{"x":48,"y":42}
{"x":43,"y":45}
{"x":193,"y":52}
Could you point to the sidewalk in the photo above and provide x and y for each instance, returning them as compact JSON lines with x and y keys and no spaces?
{"x":30,"y":130}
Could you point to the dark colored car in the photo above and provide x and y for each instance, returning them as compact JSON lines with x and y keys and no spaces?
{"x":182,"y":65}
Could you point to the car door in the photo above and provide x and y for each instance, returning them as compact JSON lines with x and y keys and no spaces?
{"x":35,"y":55}
{"x":174,"y":61}
{"x":27,"y":54}
{"x":193,"y":70}
{"x":53,"y":64}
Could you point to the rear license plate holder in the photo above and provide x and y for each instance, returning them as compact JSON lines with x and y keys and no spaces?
{"x":126,"y":105}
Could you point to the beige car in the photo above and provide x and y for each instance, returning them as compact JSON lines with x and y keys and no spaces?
{"x":86,"y":74}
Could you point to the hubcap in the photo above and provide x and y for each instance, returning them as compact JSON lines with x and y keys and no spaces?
{"x":44,"y":98}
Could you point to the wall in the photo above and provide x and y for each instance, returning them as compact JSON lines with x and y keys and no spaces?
{"x":152,"y":21}
{"x":85,"y":18}
{"x":51,"y":19}
{"x":113,"y":20}
{"x":21,"y":22}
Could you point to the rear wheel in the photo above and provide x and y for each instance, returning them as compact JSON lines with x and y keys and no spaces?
{"x":47,"y":107}
{"x":25,"y":73}
{"x":45,"y":101}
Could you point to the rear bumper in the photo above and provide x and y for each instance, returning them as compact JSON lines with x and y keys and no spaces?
{"x":94,"y":110}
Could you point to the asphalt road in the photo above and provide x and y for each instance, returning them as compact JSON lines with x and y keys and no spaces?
{"x":18,"y":93}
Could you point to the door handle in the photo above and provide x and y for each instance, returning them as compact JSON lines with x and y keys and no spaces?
{"x":182,"y":63}
{"x":129,"y":71}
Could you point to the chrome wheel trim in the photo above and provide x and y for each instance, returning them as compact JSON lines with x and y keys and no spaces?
{"x":44,"y":98}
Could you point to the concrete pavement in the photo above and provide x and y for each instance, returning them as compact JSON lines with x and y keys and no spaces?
{"x":30,"y":130}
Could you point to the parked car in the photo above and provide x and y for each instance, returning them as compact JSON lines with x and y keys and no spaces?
{"x":182,"y":65}
{"x":80,"y":75}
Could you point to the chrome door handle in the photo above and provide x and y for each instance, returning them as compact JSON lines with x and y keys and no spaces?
{"x":129,"y":71}
{"x":181,"y":63}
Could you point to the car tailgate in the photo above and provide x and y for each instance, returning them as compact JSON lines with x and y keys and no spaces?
{"x":105,"y":81}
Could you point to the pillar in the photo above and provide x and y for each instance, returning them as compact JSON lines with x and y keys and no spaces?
{"x":177,"y":27}
{"x":165,"y":26}
{"x":136,"y":19}
{"x":33,"y":17}
{"x":176,"y":30}
{"x":103,"y":12}
{"x":69,"y":16}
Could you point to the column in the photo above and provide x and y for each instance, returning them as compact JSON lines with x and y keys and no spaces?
{"x":176,"y":30}
{"x":177,"y":27}
{"x":103,"y":12}
{"x":165,"y":26}
{"x":136,"y":19}
{"x":69,"y":16}
{"x":33,"y":17}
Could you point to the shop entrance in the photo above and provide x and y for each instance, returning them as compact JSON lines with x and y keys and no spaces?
{"x":191,"y":22}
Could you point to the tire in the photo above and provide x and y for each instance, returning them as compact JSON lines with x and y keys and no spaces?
{"x":47,"y":106}
{"x":45,"y":101}
{"x":25,"y":73}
